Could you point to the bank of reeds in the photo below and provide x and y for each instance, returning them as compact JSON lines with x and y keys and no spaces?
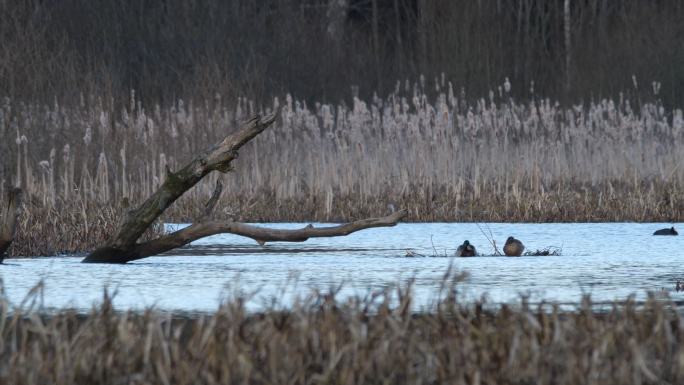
{"x":322,"y":339}
{"x":62,"y":229}
{"x":444,"y":159}
{"x":67,"y":228}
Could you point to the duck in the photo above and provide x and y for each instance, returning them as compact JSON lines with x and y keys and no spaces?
{"x":670,"y":231}
{"x":679,"y":286}
{"x":466,"y":250}
{"x":513,"y":247}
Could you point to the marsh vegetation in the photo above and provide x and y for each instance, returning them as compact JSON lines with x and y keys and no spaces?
{"x":323,"y":339}
{"x":488,"y":111}
{"x":443,"y":159}
{"x":513,"y":123}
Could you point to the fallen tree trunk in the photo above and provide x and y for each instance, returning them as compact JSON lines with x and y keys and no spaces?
{"x":124,"y":247}
{"x":8,"y":220}
{"x":260,"y":234}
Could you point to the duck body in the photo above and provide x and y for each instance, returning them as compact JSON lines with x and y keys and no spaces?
{"x":466,"y":250}
{"x":670,"y":231}
{"x":513,"y":247}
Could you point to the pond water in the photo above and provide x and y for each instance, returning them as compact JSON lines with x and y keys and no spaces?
{"x":609,"y":261}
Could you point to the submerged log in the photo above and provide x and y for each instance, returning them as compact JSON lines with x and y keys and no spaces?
{"x":124,"y":247}
{"x":8,"y":220}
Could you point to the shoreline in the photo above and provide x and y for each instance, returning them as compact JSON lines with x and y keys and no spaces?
{"x":79,"y":226}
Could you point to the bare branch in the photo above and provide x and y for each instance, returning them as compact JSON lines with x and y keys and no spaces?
{"x":123,"y":247}
{"x":260,"y":234}
{"x":216,"y":158}
{"x":211,"y":203}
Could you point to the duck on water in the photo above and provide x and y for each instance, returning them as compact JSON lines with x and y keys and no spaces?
{"x":513,"y":247}
{"x":670,"y":231}
{"x":466,"y":250}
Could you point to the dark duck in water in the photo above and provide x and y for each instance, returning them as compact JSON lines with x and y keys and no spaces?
{"x":670,"y":231}
{"x":466,"y":250}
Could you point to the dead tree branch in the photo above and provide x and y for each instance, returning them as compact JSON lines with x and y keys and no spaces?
{"x":136,"y":221}
{"x":261,"y":235}
{"x":211,"y":203}
{"x":124,"y":247}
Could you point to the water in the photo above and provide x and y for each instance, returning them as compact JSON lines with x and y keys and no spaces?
{"x":609,"y":261}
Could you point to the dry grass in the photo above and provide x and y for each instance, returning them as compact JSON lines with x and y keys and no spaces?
{"x":444,"y":159}
{"x":63,"y":229}
{"x":66,"y":228}
{"x":372,"y":340}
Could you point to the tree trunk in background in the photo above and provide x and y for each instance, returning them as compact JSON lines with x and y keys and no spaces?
{"x":242,"y":47}
{"x":422,"y":37}
{"x":8,"y":220}
{"x":566,"y":22}
{"x":337,"y":14}
{"x":399,"y":50}
{"x":376,"y":46}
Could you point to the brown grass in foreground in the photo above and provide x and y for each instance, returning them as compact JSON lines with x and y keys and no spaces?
{"x":322,"y":340}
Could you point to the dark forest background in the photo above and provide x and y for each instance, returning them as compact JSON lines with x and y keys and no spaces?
{"x":573,"y":50}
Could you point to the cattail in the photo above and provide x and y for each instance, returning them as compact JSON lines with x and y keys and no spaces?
{"x":365,"y":151}
{"x":18,"y":142}
{"x":45,"y":169}
{"x":27,"y":168}
{"x":67,"y":182}
{"x":124,"y":177}
{"x":52,"y":187}
{"x":87,"y":138}
{"x":102,"y":177}
{"x":103,"y":124}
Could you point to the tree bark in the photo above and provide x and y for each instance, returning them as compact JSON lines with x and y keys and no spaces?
{"x":8,"y":220}
{"x":261,"y":235}
{"x":124,"y":247}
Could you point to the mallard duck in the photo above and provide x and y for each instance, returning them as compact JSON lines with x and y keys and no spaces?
{"x":466,"y":250}
{"x":670,"y":231}
{"x":513,"y":247}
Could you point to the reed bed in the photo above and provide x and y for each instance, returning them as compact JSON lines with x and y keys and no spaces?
{"x":443,"y":158}
{"x":67,"y":228}
{"x":377,"y":339}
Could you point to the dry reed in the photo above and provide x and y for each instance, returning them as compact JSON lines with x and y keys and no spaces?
{"x":443,"y":159}
{"x":323,"y":339}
